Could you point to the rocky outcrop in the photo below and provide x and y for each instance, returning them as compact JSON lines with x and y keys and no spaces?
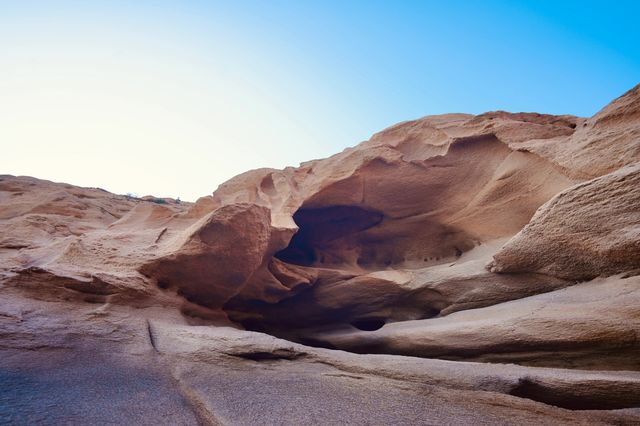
{"x":219,"y":254}
{"x":601,"y":144}
{"x":439,"y":253}
{"x":96,"y":365}
{"x":416,"y":196}
{"x":588,"y":326}
{"x":587,"y":230}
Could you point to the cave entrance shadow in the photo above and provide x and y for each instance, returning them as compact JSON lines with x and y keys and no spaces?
{"x":368,"y":324}
{"x":320,"y":227}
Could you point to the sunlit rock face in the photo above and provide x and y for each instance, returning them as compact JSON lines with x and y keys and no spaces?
{"x":499,"y":239}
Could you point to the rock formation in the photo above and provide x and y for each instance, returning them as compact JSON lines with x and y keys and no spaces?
{"x":476,"y":269}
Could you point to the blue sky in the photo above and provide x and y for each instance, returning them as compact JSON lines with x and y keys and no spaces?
{"x":173,"y":98}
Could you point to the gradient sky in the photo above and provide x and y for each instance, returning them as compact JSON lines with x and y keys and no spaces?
{"x":173,"y":98}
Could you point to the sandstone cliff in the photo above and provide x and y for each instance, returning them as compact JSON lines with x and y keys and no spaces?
{"x":488,"y":240}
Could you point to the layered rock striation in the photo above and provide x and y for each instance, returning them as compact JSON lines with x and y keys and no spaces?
{"x":435,"y":253}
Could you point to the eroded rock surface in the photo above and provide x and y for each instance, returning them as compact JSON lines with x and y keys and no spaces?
{"x":587,"y":230}
{"x":478,"y":269}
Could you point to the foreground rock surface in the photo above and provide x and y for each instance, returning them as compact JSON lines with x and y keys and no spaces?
{"x":478,"y":269}
{"x":93,"y":365}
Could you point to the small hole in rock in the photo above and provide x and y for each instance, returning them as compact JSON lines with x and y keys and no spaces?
{"x":368,"y":324}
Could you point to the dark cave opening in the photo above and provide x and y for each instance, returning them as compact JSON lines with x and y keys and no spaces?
{"x":320,"y":228}
{"x":368,"y":324}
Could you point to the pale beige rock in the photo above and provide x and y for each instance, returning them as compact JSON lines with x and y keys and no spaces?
{"x":172,"y":372}
{"x":587,"y":230}
{"x":602,"y":144}
{"x":133,"y":308}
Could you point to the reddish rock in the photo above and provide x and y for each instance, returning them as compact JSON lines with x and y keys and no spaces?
{"x":382,"y":248}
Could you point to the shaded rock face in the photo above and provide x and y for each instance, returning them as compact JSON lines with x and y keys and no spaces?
{"x":497,"y":238}
{"x":327,"y":236}
{"x":236,"y":236}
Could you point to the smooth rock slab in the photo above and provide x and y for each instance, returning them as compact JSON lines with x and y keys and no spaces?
{"x":62,"y":387}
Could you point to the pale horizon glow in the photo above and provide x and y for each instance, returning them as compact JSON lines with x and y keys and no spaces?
{"x":172,"y":100}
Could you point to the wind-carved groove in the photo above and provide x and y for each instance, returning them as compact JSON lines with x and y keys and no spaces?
{"x":152,"y":339}
{"x":275,"y":355}
{"x":203,"y":414}
{"x":161,"y":234}
{"x":109,"y":213}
